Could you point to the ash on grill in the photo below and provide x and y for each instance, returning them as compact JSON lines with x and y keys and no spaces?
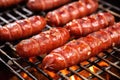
{"x":105,"y":66}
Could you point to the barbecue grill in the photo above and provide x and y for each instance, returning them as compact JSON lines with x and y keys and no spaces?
{"x":104,"y":66}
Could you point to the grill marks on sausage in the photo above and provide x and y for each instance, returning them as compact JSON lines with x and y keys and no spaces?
{"x":83,"y":48}
{"x":43,"y":43}
{"x":86,"y":25}
{"x":38,"y":5}
{"x":71,"y":11}
{"x":22,"y":28}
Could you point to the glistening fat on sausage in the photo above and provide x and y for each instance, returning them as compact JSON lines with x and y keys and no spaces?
{"x":83,"y":48}
{"x":71,"y":11}
{"x":86,"y":25}
{"x":106,"y":18}
{"x":22,"y":28}
{"x":43,"y":43}
{"x":38,"y":5}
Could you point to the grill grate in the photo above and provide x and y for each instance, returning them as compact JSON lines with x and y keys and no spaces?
{"x":19,"y":66}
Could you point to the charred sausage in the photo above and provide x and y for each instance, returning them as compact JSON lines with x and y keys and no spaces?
{"x":38,"y":5}
{"x":83,"y":48}
{"x":71,"y":11}
{"x":86,"y":25}
{"x":43,"y":42}
{"x":22,"y":28}
{"x":7,"y":3}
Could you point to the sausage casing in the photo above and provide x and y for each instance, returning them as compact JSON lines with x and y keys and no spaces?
{"x":7,"y":3}
{"x":86,"y":25}
{"x":22,"y":28}
{"x":43,"y":43}
{"x":38,"y":5}
{"x":83,"y":48}
{"x":71,"y":11}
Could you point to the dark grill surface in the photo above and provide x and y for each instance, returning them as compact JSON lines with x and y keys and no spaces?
{"x":105,"y":66}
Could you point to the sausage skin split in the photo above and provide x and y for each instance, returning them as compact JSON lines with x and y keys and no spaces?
{"x":22,"y":28}
{"x":43,"y":42}
{"x":71,"y":11}
{"x":86,"y":25}
{"x":38,"y":5}
{"x":83,"y":48}
{"x":7,"y":3}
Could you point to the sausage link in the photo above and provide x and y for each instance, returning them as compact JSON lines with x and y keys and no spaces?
{"x":43,"y":42}
{"x":22,"y":28}
{"x":7,"y":3}
{"x":71,"y":11}
{"x":38,"y":5}
{"x":83,"y":48}
{"x":86,"y":25}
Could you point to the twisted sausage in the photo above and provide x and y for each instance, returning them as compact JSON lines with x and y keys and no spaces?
{"x":45,"y":4}
{"x":86,"y":25}
{"x":71,"y":11}
{"x":43,"y":42}
{"x":79,"y":50}
{"x":7,"y":3}
{"x":22,"y":28}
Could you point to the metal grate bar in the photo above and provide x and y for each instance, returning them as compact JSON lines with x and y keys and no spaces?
{"x":70,"y":74}
{"x":106,"y":70}
{"x":112,"y":73}
{"x":27,"y":67}
{"x":116,"y":49}
{"x":11,"y":16}
{"x":80,"y":69}
{"x":19,"y":13}
{"x":115,"y":56}
{"x":11,"y":46}
{"x":92,"y":73}
{"x":62,"y":76}
{"x":17,"y":74}
{"x":40,"y":70}
{"x":4,"y":20}
{"x":82,"y":77}
{"x":27,"y":11}
{"x":109,"y":5}
{"x":108,"y":10}
{"x":17,"y":64}
{"x":112,"y":64}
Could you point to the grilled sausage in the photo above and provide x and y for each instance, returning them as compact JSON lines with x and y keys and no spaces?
{"x":71,"y":11}
{"x":86,"y":25}
{"x":7,"y":3}
{"x":22,"y":28}
{"x":38,"y":5}
{"x":43,"y":42}
{"x":83,"y":48}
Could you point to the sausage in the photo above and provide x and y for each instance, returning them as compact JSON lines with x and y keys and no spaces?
{"x":38,"y":5}
{"x":7,"y":3}
{"x":71,"y":11}
{"x":43,"y":42}
{"x":86,"y":25}
{"x":22,"y":28}
{"x":82,"y":49}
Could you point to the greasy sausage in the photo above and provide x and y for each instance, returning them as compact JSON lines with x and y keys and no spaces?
{"x":43,"y":42}
{"x":86,"y":25}
{"x":71,"y":11}
{"x":22,"y":28}
{"x":38,"y":5}
{"x":7,"y":3}
{"x":83,"y":48}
